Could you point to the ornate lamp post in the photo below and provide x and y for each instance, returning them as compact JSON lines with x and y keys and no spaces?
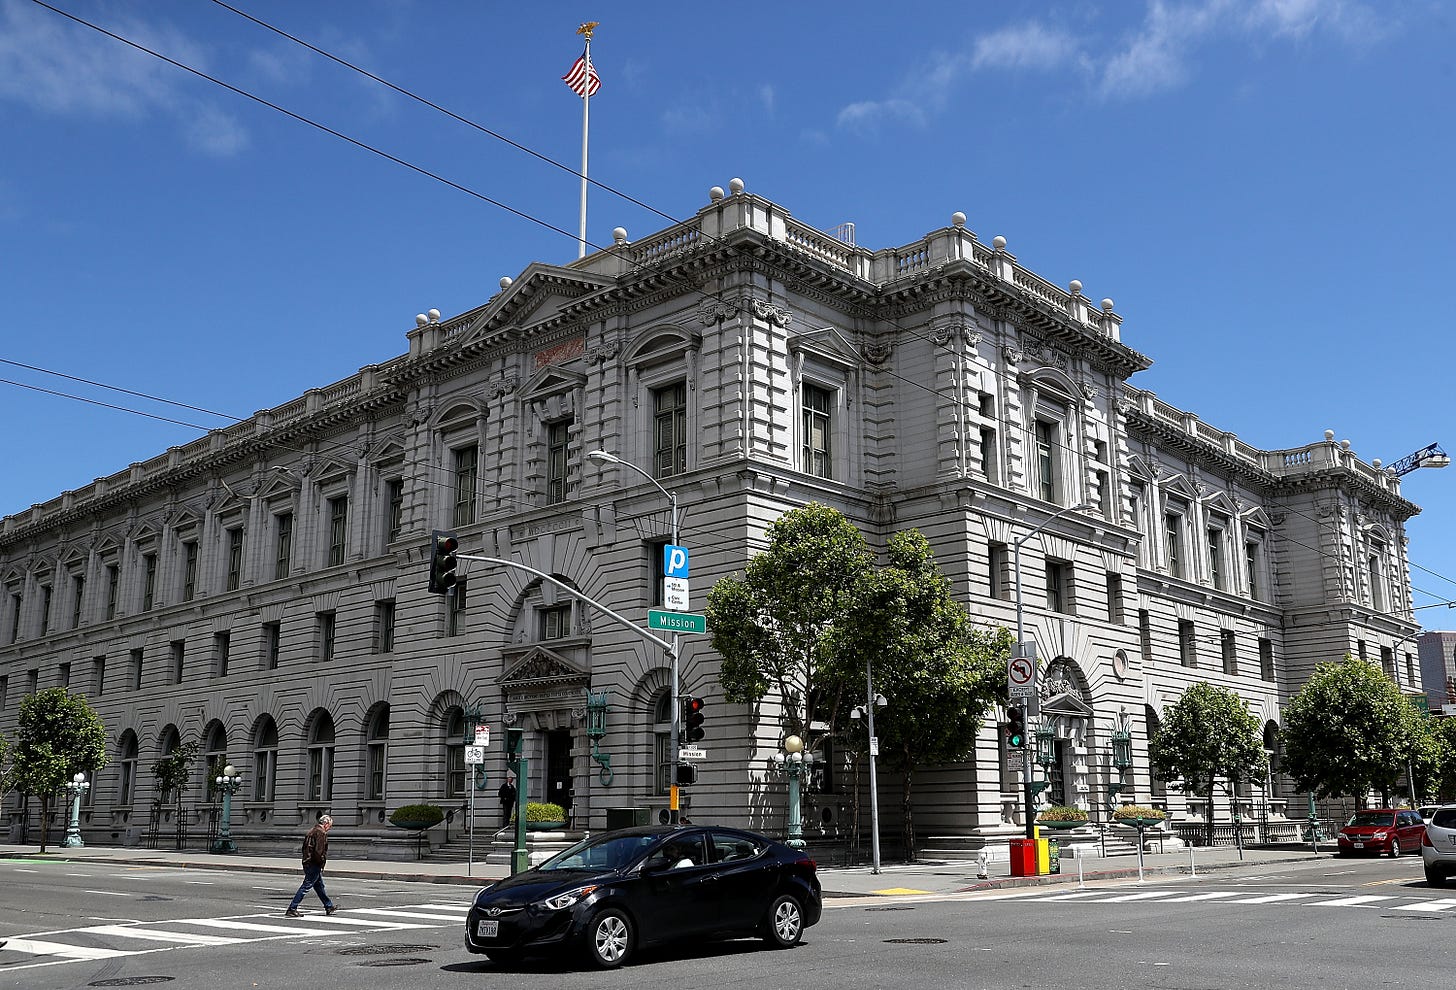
{"x":794,"y":763}
{"x":228,"y":782}
{"x":75,"y":787}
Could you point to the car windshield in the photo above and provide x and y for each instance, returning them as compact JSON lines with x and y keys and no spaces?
{"x":605,"y":852}
{"x":1372,"y":818}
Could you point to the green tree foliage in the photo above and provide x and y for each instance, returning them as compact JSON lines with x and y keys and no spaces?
{"x":1443,"y":779}
{"x":57,"y":736}
{"x":1349,"y":730}
{"x":1208,"y":734}
{"x":772,"y":627}
{"x":173,"y":772}
{"x":7,"y":768}
{"x":938,"y":671}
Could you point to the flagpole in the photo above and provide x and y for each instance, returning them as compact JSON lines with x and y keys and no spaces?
{"x":585,"y":29}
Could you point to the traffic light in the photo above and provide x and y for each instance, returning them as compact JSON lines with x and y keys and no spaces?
{"x":442,"y":562}
{"x":1016,"y":728}
{"x":692,"y":719}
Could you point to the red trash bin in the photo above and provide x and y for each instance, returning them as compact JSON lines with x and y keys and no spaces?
{"x":1023,"y":857}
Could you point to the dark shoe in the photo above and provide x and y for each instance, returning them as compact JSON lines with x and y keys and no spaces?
{"x":331,"y":909}
{"x":293,"y":913}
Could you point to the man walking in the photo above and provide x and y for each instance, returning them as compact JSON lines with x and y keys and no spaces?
{"x":507,"y":795}
{"x":315,"y":855}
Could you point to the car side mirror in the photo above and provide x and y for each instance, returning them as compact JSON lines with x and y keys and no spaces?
{"x":657,"y":864}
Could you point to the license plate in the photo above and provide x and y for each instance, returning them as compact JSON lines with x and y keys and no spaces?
{"x":1358,"y":845}
{"x":487,"y":929}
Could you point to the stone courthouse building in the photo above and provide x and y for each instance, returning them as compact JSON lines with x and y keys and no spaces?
{"x":262,"y":590}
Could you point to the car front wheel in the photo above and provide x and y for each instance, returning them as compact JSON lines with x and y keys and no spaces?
{"x":609,"y":939}
{"x":1394,"y":848}
{"x":785,"y":922}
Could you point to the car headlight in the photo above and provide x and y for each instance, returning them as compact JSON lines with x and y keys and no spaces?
{"x":1378,"y":837}
{"x":567,"y":899}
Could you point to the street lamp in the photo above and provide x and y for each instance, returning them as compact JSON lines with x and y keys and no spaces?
{"x":229,"y":781}
{"x":676,"y":732}
{"x":1021,"y":650}
{"x":793,"y":763}
{"x":867,"y":712}
{"x":75,"y":787}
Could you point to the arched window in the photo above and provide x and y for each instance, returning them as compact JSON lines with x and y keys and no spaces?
{"x":214,"y":752}
{"x":455,"y":754}
{"x":126,"y":762}
{"x":662,"y":740}
{"x":321,"y":759}
{"x":265,"y":758}
{"x":170,"y":741}
{"x":376,"y":744}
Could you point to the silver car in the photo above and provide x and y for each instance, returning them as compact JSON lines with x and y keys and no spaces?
{"x":1438,"y":848}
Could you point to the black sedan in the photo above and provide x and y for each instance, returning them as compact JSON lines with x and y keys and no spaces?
{"x":616,"y":891}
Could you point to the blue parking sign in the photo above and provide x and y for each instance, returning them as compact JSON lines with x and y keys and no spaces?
{"x":674,"y":561}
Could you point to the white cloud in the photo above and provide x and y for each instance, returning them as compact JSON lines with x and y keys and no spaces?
{"x":767,"y":97}
{"x":1023,"y":46}
{"x":55,"y":66}
{"x":867,"y":115}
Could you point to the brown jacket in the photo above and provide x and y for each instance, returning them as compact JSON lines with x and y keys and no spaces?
{"x":316,"y":847}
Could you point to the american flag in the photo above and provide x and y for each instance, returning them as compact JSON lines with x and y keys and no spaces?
{"x":583,"y":78}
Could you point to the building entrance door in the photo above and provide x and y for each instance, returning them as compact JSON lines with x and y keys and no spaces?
{"x":1057,"y":773}
{"x":558,"y":768}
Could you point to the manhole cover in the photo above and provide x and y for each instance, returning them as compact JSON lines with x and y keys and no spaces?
{"x":131,"y":981}
{"x":384,"y":949}
{"x":398,"y":961}
{"x":893,"y":907}
{"x":915,"y":941}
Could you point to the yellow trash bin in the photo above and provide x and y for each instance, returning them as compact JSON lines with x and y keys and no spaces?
{"x":1043,"y":855}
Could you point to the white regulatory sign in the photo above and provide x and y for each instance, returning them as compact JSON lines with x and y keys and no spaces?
{"x":475,"y":754}
{"x":1014,"y":760}
{"x":482,"y":736}
{"x":675,"y":594}
{"x":874,"y":745}
{"x":691,"y":753}
{"x":1019,"y":674}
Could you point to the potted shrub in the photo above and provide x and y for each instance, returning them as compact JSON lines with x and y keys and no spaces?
{"x":541,"y":815}
{"x":415,"y":817}
{"x":1062,"y":816}
{"x":1138,"y":816}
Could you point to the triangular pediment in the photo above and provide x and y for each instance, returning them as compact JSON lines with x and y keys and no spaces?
{"x":1066,"y":704}
{"x":540,"y":295}
{"x":1257,"y":518}
{"x":541,"y":666}
{"x":828,"y":344}
{"x":1178,"y":485}
{"x":1220,"y":503}
{"x":551,"y":380}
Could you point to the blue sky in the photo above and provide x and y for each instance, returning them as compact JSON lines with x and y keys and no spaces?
{"x":1262,"y":186}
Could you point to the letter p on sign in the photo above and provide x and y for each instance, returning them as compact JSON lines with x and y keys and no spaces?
{"x":674,"y":561}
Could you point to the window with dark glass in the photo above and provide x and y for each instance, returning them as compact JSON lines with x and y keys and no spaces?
{"x":222,"y":645}
{"x":1187,"y":643}
{"x":377,"y":756}
{"x":189,"y":570}
{"x":1114,"y":597}
{"x":113,"y":586}
{"x":17,"y":605}
{"x":283,"y":545}
{"x":1230,"y":653}
{"x":455,"y":774}
{"x":818,"y":424}
{"x":327,"y":626}
{"x":1046,"y":460}
{"x":467,"y":460}
{"x":384,"y":626}
{"x":1215,"y":558}
{"x":1173,"y":529}
{"x":63,"y":675}
{"x":98,"y":675}
{"x":272,"y":644}
{"x":558,"y":438}
{"x":999,"y":565}
{"x":655,"y":550}
{"x":235,"y":559}
{"x":555,"y":622}
{"x":394,"y":500}
{"x":455,"y":608}
{"x":1145,"y":634}
{"x":670,"y":430}
{"x":321,"y":759}
{"x":149,"y":581}
{"x":136,"y":670}
{"x":338,"y":528}
{"x":45,"y":608}
{"x":78,"y":599}
{"x":127,"y":762}
{"x":265,"y":760}
{"x":1059,"y":585}
{"x":179,"y":651}
{"x":988,"y":453}
{"x":1251,"y":569}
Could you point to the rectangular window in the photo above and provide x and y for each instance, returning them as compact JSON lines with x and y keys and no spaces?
{"x":4,"y":690}
{"x":179,"y":649}
{"x":189,"y":570}
{"x":32,"y":680}
{"x":1059,"y":585}
{"x":149,"y":581}
{"x":988,"y":453}
{"x":1230,"y":653}
{"x":17,"y":605}
{"x":327,"y":625}
{"x":1410,"y":669}
{"x":1114,"y":597}
{"x":136,"y":670}
{"x":272,"y":644}
{"x":1046,"y":460}
{"x":113,"y":586}
{"x":818,"y":454}
{"x":558,"y":439}
{"x":1187,"y":643}
{"x":1374,"y":566}
{"x":1173,"y":530}
{"x":282,"y":545}
{"x":63,"y":675}
{"x":1145,"y":634}
{"x":467,"y":460}
{"x":1215,"y":559}
{"x":999,"y":571}
{"x":45,"y":608}
{"x":338,"y":528}
{"x":455,"y":609}
{"x":555,"y":622}
{"x":222,"y":646}
{"x":98,"y":675}
{"x":235,"y":559}
{"x":655,"y":577}
{"x":1104,"y":494}
{"x":384,"y":626}
{"x":1387,"y":662}
{"x":670,"y":430}
{"x":394,"y":499}
{"x":1251,"y":568}
{"x":78,"y":598}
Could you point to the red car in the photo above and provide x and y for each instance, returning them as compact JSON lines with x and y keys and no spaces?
{"x":1382,"y":830}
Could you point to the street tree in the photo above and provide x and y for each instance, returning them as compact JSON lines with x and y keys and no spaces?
{"x":7,"y":768}
{"x":1208,"y":734}
{"x":57,"y":736}
{"x":1440,"y":774}
{"x":173,"y":773}
{"x":1348,"y":731}
{"x":772,"y":627}
{"x":906,"y":629}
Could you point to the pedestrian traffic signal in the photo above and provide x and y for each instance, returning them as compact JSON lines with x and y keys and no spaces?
{"x":687,"y":773}
{"x":442,"y":562}
{"x":1016,"y":728}
{"x":692,"y":719}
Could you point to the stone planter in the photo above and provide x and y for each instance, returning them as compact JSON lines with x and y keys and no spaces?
{"x":1139,"y":823}
{"x":545,"y":826}
{"x":411,"y":825}
{"x":1062,"y":825}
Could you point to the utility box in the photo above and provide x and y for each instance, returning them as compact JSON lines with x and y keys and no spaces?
{"x":1043,"y":855}
{"x":627,"y":817}
{"x":1054,"y":856}
{"x":1023,"y":857}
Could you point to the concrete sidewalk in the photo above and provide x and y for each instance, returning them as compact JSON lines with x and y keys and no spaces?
{"x":894,"y":879}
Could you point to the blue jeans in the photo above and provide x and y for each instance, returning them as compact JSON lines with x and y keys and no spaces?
{"x":313,"y":876}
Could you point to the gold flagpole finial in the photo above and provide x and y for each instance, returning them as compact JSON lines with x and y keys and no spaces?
{"x":587,"y":29}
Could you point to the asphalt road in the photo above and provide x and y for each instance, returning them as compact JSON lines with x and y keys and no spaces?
{"x":1324,"y":923}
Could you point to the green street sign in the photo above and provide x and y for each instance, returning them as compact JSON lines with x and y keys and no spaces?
{"x":678,"y":622}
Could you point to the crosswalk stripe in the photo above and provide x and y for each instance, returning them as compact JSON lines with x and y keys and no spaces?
{"x":421,"y":914}
{"x":1142,"y":896}
{"x":1201,"y":897}
{"x":460,"y":909}
{"x":248,"y":926}
{"x":1352,"y":901}
{"x":157,"y":935}
{"x":41,"y":947}
{"x":324,"y":919}
{"x":1440,"y":905}
{"x":1077,"y":896}
{"x":1271,"y":898}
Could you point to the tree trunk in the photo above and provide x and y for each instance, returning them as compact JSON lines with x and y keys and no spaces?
{"x":45,"y":820}
{"x":908,"y":812}
{"x":1211,"y":779}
